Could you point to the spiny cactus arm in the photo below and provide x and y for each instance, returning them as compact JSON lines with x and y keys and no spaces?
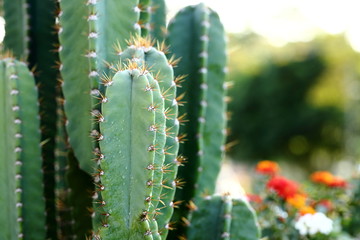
{"x":30,"y":154}
{"x":210,"y":219}
{"x":16,"y":28}
{"x":190,"y":47}
{"x":145,"y":6}
{"x":12,"y":77}
{"x":128,"y":153}
{"x":158,"y":20}
{"x":116,"y":22}
{"x":215,"y":114}
{"x":80,"y":77}
{"x":163,"y":71}
{"x":244,"y":223}
{"x":160,"y":128}
{"x":8,"y":218}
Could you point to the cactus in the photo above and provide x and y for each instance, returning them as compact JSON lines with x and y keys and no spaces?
{"x":126,"y":198}
{"x":220,"y":217}
{"x":16,"y":40}
{"x":93,"y":39}
{"x":203,"y":60}
{"x":158,"y":20}
{"x":115,"y":171}
{"x":64,"y":216}
{"x":21,"y":166}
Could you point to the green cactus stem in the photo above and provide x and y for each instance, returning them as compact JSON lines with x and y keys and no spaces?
{"x":145,"y":6}
{"x":8,"y":219}
{"x":244,"y":224}
{"x":23,"y":151}
{"x":158,"y":20}
{"x":203,"y":59}
{"x":211,"y":219}
{"x":128,"y":150}
{"x":16,"y":17}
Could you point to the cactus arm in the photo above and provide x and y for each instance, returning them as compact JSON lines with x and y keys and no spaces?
{"x":117,"y":21}
{"x":158,"y":20}
{"x":210,"y":219}
{"x":190,"y":48}
{"x":128,"y":149}
{"x":160,"y":140}
{"x":215,"y":113}
{"x":31,"y":168}
{"x":145,"y":16}
{"x":78,"y":81}
{"x":8,"y":219}
{"x":244,"y":223}
{"x":16,"y":28}
{"x":159,"y":66}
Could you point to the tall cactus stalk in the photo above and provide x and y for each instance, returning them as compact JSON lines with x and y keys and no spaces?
{"x":21,"y":164}
{"x":203,"y":60}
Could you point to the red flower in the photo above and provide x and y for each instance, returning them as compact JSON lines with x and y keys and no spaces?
{"x":284,"y":187}
{"x":267,"y":168}
{"x":338,"y":182}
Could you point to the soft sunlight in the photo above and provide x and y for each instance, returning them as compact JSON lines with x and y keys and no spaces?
{"x":282,"y":21}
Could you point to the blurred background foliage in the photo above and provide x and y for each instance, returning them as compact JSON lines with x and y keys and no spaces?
{"x":295,"y":103}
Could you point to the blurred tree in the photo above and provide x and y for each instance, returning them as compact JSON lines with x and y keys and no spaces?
{"x":272,"y":116}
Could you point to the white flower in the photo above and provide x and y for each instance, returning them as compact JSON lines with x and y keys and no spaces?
{"x":314,"y":223}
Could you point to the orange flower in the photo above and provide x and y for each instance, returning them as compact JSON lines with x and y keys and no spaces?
{"x":322,"y":177}
{"x":267,"y":168}
{"x":298,"y":200}
{"x":306,"y":210}
{"x":328,"y":179}
{"x":284,"y":187}
{"x":338,"y":182}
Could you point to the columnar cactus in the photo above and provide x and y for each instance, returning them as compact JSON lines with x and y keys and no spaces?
{"x":21,"y":174}
{"x":203,"y":60}
{"x":114,"y":172}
